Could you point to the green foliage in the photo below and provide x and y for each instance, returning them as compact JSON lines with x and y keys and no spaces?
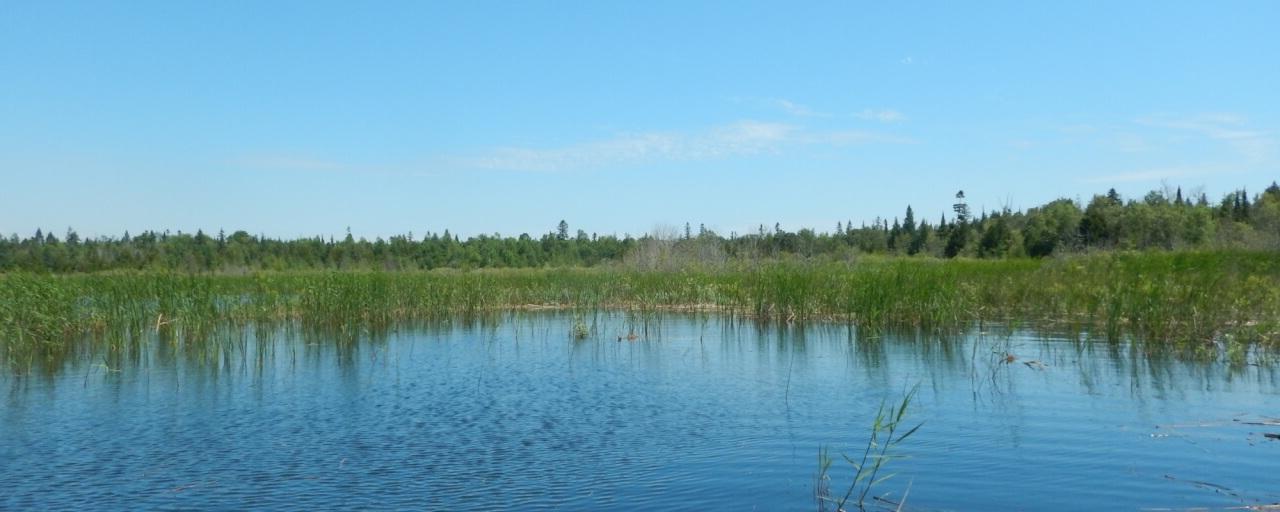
{"x":1100,"y":226}
{"x":957,"y":239}
{"x":242,"y":252}
{"x":1188,"y":299}
{"x":999,"y":239}
{"x":1107,"y":222}
{"x":1052,"y":228}
{"x":876,"y":454}
{"x":580,"y":330}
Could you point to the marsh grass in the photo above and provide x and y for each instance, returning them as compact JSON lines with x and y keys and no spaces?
{"x":579,"y":331}
{"x":1205,"y":302}
{"x":882,"y":439}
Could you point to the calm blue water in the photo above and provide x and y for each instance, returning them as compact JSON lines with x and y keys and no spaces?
{"x":699,"y":413}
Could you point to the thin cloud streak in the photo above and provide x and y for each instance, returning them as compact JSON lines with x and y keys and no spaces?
{"x":1138,"y":176}
{"x":881,"y":115}
{"x":1160,"y":174}
{"x":1230,"y":129}
{"x":288,"y":163}
{"x":302,"y":164}
{"x":796,"y":109}
{"x":1240,"y":147}
{"x":784,"y":105}
{"x":743,"y":138}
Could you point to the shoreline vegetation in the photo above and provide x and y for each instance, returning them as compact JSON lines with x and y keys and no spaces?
{"x":1219,"y":301}
{"x":1169,"y":269}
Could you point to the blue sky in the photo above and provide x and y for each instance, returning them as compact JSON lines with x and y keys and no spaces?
{"x":296,"y":119}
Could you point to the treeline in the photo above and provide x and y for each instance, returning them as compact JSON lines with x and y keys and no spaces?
{"x":241,"y":251}
{"x":1161,"y":220}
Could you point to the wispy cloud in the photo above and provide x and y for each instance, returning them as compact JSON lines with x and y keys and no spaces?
{"x":1139,"y":176}
{"x":1179,"y":147}
{"x":781,"y":104}
{"x":1231,"y":129}
{"x":742,"y":138}
{"x":1130,"y":142}
{"x":288,"y":163}
{"x":305,"y":164}
{"x":1156,"y":174}
{"x":796,"y":109}
{"x":881,"y":115}
{"x":738,"y":139}
{"x":854,"y":137}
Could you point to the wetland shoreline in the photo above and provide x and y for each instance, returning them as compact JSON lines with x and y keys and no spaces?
{"x":1185,"y":299}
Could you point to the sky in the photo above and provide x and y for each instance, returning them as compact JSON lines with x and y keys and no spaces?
{"x":310,"y":118}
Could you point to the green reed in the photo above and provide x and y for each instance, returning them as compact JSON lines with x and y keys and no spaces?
{"x":878,"y":451}
{"x":1189,"y":298}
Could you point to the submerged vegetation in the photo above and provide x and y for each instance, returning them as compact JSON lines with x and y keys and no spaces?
{"x":1195,"y":300}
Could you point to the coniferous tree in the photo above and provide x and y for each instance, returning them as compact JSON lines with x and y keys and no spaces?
{"x":562,"y":230}
{"x":1100,"y":225}
{"x":1244,"y":205}
{"x":962,"y":209}
{"x":919,"y":239}
{"x":958,"y":236}
{"x":894,"y":234}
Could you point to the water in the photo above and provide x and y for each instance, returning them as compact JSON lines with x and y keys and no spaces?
{"x":698,"y":413}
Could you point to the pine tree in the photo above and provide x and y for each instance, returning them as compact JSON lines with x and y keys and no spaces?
{"x":956,"y":240}
{"x":562,"y":230}
{"x":1244,"y":205}
{"x":961,"y":209}
{"x":894,"y":234}
{"x":919,"y":239}
{"x":959,"y":235}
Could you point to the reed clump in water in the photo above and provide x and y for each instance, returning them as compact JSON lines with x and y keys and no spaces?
{"x":884,"y":437}
{"x":1191,"y":298}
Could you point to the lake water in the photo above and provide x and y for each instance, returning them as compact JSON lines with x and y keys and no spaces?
{"x":697,"y":413}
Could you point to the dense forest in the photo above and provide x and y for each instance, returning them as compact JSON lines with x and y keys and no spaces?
{"x":1161,"y":220}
